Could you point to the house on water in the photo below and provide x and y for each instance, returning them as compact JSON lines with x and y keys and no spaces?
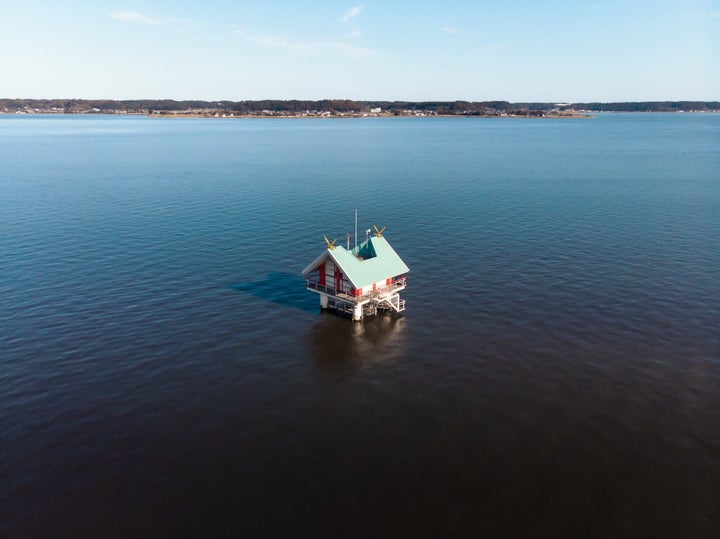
{"x":361,"y":281}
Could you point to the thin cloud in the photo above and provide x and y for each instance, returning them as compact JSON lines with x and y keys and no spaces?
{"x":279,"y":42}
{"x":264,"y":41}
{"x":350,"y":50}
{"x":348,"y":20}
{"x":131,"y":16}
{"x":352,"y":13}
{"x":496,"y":47}
{"x":450,"y":30}
{"x":341,"y":44}
{"x":355,"y":52}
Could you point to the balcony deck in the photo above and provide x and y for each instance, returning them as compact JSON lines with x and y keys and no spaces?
{"x":375,"y":295}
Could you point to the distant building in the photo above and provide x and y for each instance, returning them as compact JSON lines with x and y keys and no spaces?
{"x":377,"y":110}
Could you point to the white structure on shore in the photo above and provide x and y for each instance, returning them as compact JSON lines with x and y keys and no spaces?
{"x":360,"y":281}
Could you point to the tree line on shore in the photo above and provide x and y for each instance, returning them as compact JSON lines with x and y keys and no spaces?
{"x":338,"y":106}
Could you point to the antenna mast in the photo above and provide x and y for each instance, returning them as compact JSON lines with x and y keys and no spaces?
{"x":355,"y":227}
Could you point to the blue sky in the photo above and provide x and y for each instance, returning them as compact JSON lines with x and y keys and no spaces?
{"x":370,"y":50}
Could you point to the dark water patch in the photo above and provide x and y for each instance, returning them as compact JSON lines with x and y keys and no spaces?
{"x":284,"y":289}
{"x":164,"y":372}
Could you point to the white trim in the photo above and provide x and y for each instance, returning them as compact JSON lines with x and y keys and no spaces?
{"x":312,"y":266}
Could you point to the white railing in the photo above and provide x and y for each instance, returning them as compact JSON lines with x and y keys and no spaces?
{"x":373,"y":295}
{"x":314,"y":285}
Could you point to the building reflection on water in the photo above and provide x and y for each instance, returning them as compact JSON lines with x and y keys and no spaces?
{"x":341,"y":346}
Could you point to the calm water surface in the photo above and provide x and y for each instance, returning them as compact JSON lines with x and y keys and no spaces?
{"x":163,"y":371}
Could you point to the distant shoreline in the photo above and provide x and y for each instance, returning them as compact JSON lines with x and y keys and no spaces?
{"x":341,"y":108}
{"x":301,"y":117}
{"x":364,"y":116}
{"x":576,"y":115}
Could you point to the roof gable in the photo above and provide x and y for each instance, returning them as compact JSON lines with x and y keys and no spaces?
{"x":379,"y":262}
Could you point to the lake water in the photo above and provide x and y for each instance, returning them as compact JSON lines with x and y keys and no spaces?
{"x":163,"y":371}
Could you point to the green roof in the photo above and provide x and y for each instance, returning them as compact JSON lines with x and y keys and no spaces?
{"x":379,"y":262}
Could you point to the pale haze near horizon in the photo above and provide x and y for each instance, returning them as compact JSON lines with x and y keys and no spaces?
{"x":550,"y":51}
